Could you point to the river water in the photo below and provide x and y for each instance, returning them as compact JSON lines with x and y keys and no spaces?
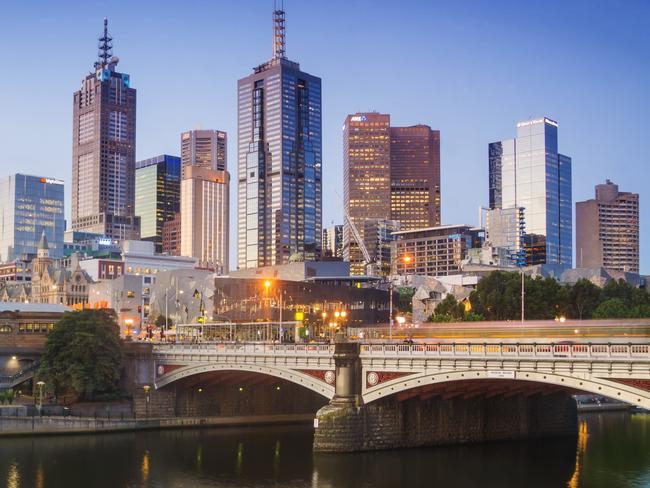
{"x":612,"y":450}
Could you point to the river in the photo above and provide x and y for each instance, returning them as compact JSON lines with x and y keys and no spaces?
{"x":612,"y":450}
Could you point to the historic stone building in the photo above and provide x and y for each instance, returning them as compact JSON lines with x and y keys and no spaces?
{"x":57,"y":285}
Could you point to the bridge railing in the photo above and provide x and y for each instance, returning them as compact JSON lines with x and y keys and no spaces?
{"x":509,"y":350}
{"x":244,"y":348}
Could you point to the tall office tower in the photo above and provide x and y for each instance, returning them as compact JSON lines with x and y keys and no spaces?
{"x":103,"y":150}
{"x":279,"y":160}
{"x":332,"y":246}
{"x":366,"y":179}
{"x":528,"y":172}
{"x":157,"y":195}
{"x":607,"y":230}
{"x":415,"y":176}
{"x":205,"y":197}
{"x":30,"y":206}
{"x":204,"y":148}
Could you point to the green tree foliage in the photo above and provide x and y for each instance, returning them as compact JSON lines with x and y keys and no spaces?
{"x":584,"y":297}
{"x":498,"y":297}
{"x":450,"y":310}
{"x":405,"y":299}
{"x":83,"y":355}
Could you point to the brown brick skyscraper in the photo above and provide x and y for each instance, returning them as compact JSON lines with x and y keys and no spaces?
{"x":103,"y":150}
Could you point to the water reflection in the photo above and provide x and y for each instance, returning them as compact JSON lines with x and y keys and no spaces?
{"x":611,"y":450}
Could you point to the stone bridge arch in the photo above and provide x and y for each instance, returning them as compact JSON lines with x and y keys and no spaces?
{"x":627,"y":390}
{"x":294,"y":376}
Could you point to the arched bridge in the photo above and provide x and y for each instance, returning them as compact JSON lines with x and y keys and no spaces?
{"x":388,"y":395}
{"x":616,"y":370}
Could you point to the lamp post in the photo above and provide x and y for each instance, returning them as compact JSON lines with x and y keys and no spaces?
{"x":40,"y":385}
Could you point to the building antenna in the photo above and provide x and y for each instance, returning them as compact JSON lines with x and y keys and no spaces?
{"x":105,"y":46}
{"x":278,"y":32}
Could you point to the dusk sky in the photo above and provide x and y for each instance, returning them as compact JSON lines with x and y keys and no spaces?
{"x":469,"y":69}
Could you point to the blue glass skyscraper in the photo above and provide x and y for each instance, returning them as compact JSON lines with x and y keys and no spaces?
{"x":528,"y":172}
{"x":279,"y":161}
{"x":29,"y":206}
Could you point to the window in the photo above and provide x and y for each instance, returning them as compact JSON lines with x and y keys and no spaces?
{"x":5,"y":329}
{"x":130,"y":294}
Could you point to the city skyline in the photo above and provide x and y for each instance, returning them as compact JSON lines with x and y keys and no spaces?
{"x":596,"y":106}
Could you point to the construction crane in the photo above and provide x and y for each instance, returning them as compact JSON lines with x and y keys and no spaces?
{"x":368,"y":263}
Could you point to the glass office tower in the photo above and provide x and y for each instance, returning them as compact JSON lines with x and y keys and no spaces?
{"x":528,"y":172}
{"x":279,"y":161}
{"x":30,"y":205}
{"x":157,"y":195}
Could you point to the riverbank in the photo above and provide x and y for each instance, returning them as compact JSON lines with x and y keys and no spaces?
{"x":20,"y":426}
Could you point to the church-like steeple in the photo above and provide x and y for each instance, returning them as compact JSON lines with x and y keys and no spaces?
{"x":43,"y":249}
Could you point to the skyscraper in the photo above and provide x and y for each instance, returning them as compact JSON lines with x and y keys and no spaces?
{"x":390,"y":173}
{"x":366,"y":179}
{"x":279,"y":160}
{"x":415,"y":176}
{"x":30,"y":207}
{"x":205,"y":199}
{"x":528,"y":172}
{"x":103,"y":150}
{"x":157,"y":195}
{"x":607,"y":230}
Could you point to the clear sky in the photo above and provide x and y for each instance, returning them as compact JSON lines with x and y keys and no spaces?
{"x":470,"y":69}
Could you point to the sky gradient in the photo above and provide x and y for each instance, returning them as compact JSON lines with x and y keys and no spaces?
{"x":469,"y":69}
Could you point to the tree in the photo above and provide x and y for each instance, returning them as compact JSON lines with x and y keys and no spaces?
{"x":584,"y":297}
{"x":614,"y":308}
{"x":448,"y":310}
{"x":405,"y":298}
{"x":83,"y":354}
{"x":498,"y":296}
{"x":160,"y":321}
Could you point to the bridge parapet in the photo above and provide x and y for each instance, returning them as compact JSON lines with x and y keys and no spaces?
{"x":556,"y":351}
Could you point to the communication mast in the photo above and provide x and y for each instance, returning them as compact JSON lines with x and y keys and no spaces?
{"x":279,"y":42}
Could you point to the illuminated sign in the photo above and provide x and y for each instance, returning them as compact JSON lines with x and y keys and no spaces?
{"x":51,"y":181}
{"x":359,"y":118}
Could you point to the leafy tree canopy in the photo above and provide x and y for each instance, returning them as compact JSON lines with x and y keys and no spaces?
{"x":83,"y":355}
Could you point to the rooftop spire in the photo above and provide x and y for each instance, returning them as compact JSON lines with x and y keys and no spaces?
{"x":278,"y":33}
{"x":105,"y":47}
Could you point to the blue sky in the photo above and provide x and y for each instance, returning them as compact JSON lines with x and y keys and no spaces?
{"x":470,"y":69}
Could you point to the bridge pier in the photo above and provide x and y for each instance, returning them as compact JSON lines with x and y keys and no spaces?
{"x":346,"y":424}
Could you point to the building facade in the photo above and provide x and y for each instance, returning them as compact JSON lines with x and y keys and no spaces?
{"x":279,"y":201}
{"x":607,"y":230}
{"x":205,"y":149}
{"x":171,"y":240}
{"x":366,"y":179}
{"x":103,"y":150}
{"x":528,"y":172}
{"x":378,"y":237}
{"x":332,"y":246}
{"x":415,"y":176}
{"x":205,"y":199}
{"x":157,"y":195}
{"x":55,"y":284}
{"x":434,"y":251}
{"x":29,"y":206}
